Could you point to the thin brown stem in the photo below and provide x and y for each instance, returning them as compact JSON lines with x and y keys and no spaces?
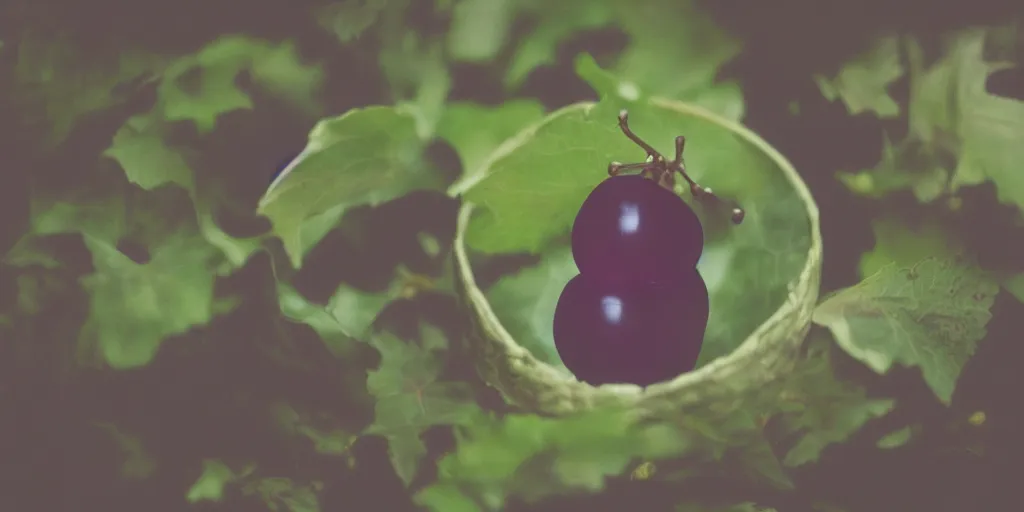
{"x":624,"y":125}
{"x":615,"y":168}
{"x":661,"y":171}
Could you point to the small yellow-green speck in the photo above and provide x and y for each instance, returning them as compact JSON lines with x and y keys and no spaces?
{"x":862,"y":182}
{"x":977,"y":419}
{"x":643,"y":471}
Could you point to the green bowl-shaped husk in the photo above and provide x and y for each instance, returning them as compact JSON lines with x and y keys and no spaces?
{"x":770,"y":350}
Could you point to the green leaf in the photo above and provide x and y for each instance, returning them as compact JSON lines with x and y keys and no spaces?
{"x":895,"y":439}
{"x":863,"y":83}
{"x":897,"y":241}
{"x":533,"y":457}
{"x":433,"y":83}
{"x":332,"y":330}
{"x":215,"y":68}
{"x":349,"y":20}
{"x":521,"y":179}
{"x":354,"y":311}
{"x":446,"y":498}
{"x":236,"y":250}
{"x":724,"y":99}
{"x":140,"y":148}
{"x":38,"y":290}
{"x":953,"y":118}
{"x":280,"y":70}
{"x":347,"y":316}
{"x":139,"y":464}
{"x":331,"y":442}
{"x":479,"y":29}
{"x":659,"y":31}
{"x":104,"y":218}
{"x":31,"y":251}
{"x":147,"y":161}
{"x":210,"y":485}
{"x":410,"y":398}
{"x":556,"y":22}
{"x":525,"y":302}
{"x":202,"y":86}
{"x":676,"y":50}
{"x":930,"y":315}
{"x":909,"y":165}
{"x":475,"y":131}
{"x":991,"y":127}
{"x":326,"y":439}
{"x":526,"y":203}
{"x":823,"y":408}
{"x":282,"y":494}
{"x":416,"y":69}
{"x":365,"y":156}
{"x":609,"y":86}
{"x":136,"y":306}
{"x":1015,"y":285}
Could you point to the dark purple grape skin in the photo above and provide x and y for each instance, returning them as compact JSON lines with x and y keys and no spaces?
{"x":641,"y":333}
{"x":631,"y":230}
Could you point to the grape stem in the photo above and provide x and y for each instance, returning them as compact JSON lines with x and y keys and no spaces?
{"x":660,"y":170}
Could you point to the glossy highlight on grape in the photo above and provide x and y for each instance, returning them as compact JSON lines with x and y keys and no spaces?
{"x":638,"y":309}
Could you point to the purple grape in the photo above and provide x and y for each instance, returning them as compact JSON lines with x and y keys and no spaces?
{"x":643,"y":333}
{"x":632,"y":230}
{"x":637,"y":311}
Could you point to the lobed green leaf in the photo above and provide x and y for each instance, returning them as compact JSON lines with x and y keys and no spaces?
{"x":930,"y":315}
{"x":365,"y":156}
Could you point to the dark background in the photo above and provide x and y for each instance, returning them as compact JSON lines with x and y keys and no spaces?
{"x":50,"y":461}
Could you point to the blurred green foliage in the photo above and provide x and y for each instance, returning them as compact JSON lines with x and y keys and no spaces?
{"x":180,"y":328}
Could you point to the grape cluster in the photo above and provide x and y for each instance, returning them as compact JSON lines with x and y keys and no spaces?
{"x":637,"y":311}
